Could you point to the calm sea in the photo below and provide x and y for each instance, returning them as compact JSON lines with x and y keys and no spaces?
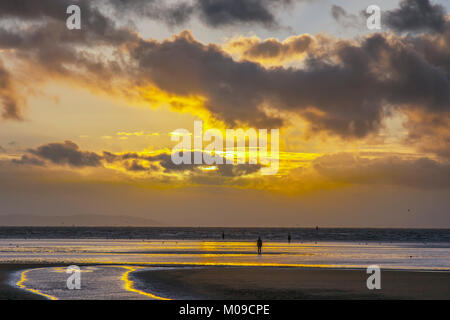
{"x":272,"y":234}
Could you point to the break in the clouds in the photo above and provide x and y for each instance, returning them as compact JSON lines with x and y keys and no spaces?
{"x":271,"y":51}
{"x":417,"y":15}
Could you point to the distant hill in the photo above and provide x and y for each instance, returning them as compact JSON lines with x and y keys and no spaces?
{"x":93,"y":220}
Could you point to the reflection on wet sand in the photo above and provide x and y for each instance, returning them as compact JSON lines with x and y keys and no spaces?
{"x":23,"y":280}
{"x":129,"y":284}
{"x":106,"y":282}
{"x":410,"y":256}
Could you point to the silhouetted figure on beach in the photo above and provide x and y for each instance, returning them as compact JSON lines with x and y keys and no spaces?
{"x":289,"y":238}
{"x":259,"y":243}
{"x":223,"y":235}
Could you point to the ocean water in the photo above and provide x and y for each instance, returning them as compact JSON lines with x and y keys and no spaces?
{"x":272,"y":234}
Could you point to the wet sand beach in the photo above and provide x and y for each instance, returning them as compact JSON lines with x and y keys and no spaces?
{"x":236,"y":283}
{"x":291,"y":283}
{"x":48,"y":281}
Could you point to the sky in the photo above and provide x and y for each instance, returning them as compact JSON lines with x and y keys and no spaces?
{"x":88,"y":116}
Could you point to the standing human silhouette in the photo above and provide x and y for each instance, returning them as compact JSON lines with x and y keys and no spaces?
{"x":223,"y":235}
{"x":259,"y":243}
{"x":289,"y":238}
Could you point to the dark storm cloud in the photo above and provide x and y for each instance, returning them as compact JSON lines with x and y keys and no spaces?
{"x":184,"y":66}
{"x":163,"y":159}
{"x":338,"y":12}
{"x":165,"y":163}
{"x":135,"y":166}
{"x":223,"y":170}
{"x":347,"y":97}
{"x":49,"y":49}
{"x":238,"y":170}
{"x":171,"y":14}
{"x":97,"y":28}
{"x":435,"y":50}
{"x":214,"y":13}
{"x":66,"y":153}
{"x":9,"y":101}
{"x":416,"y":15}
{"x":225,"y":12}
{"x":29,"y":160}
{"x":345,"y":18}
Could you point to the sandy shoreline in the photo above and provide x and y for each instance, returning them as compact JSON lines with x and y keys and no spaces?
{"x":236,"y":283}
{"x":291,"y":283}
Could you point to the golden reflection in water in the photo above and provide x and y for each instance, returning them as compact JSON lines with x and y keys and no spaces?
{"x":129,"y":284}
{"x":23,"y":279}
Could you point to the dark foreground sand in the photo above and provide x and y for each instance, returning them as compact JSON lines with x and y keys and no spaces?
{"x":267,"y":283}
{"x":290,"y":283}
{"x":8,"y":292}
